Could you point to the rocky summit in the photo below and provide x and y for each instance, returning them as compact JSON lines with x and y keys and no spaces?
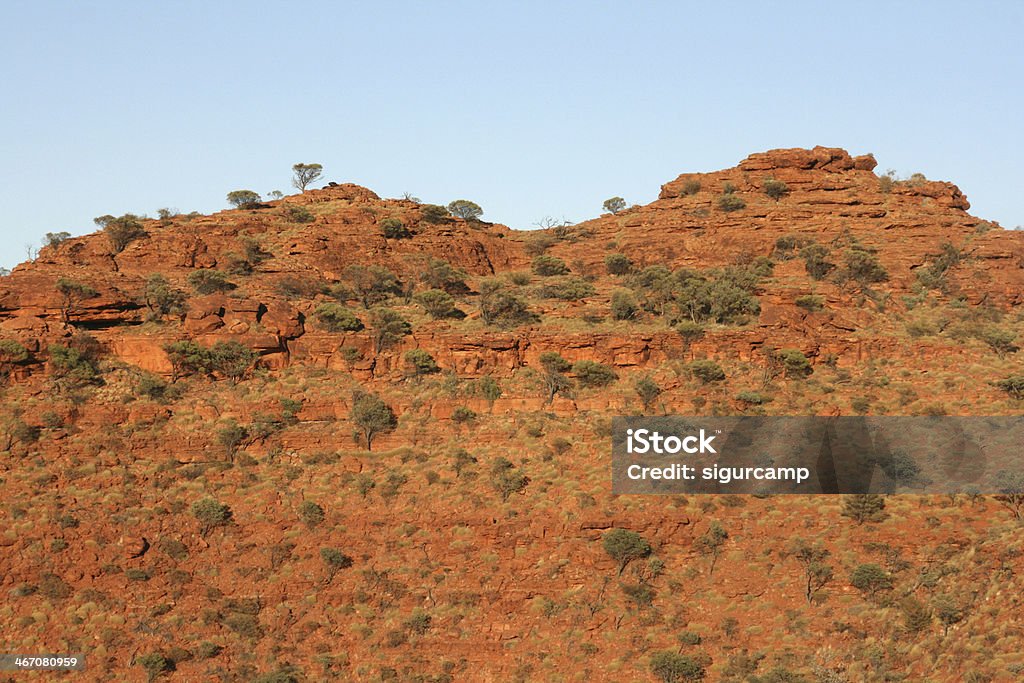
{"x":340,"y":437}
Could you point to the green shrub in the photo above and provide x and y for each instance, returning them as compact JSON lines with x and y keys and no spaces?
{"x":419,"y":362}
{"x":371,"y":416}
{"x":1014,"y":386}
{"x":592,"y":374}
{"x":438,"y":304}
{"x":614,"y":205}
{"x":72,"y":364}
{"x":567,"y":289}
{"x":311,"y":514}
{"x":671,"y":667}
{"x":371,"y":284}
{"x":549,"y":265}
{"x":488,"y":388}
{"x":617,"y":264}
{"x":810,"y":302}
{"x":463,"y":415}
{"x":208,"y":281}
{"x":624,"y":546}
{"x":394,"y":229}
{"x":707,"y":371}
{"x":816,"y":261}
{"x":689,"y":188}
{"x":211,"y":513}
{"x":729,"y":202}
{"x":298,"y":214}
{"x":506,"y":480}
{"x":154,"y":664}
{"x":870,"y":578}
{"x":121,"y":231}
{"x":754,"y":398}
{"x":648,"y":391}
{"x":776,"y":189}
{"x":623,"y":305}
{"x":161,"y":298}
{"x":388,"y":328}
{"x":439,"y":274}
{"x":794,"y":363}
{"x":465,"y":209}
{"x":862,"y":266}
{"x":998,"y":339}
{"x":337,"y":318}
{"x":244,"y":199}
{"x":500,"y":308}
{"x":432,"y":213}
{"x":864,"y":507}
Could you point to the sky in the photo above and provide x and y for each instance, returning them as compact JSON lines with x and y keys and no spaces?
{"x":530,"y":109}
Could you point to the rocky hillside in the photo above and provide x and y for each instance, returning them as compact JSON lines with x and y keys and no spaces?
{"x":190,"y":490}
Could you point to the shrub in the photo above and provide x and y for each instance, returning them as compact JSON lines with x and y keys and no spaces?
{"x":707,"y":371}
{"x":711,"y":542}
{"x":419,"y":362}
{"x":388,"y":328}
{"x":864,"y":507}
{"x":624,"y":546}
{"x":810,"y":302}
{"x":567,"y":289}
{"x":337,"y":318}
{"x":863,"y":266}
{"x":462,"y":415}
{"x":671,"y":667}
{"x":211,"y":513}
{"x":373,"y":284}
{"x":689,"y":188}
{"x":55,"y":239}
{"x":371,"y":416}
{"x":438,"y":304}
{"x":623,"y":305}
{"x":776,"y":189}
{"x":648,"y":391}
{"x":538,"y":243}
{"x":870,"y":578}
{"x":244,"y":199}
{"x":163,"y":299}
{"x":154,"y":664}
{"x":465,"y":209}
{"x":503,"y":309}
{"x":794,"y":363}
{"x":614,"y":205}
{"x":209,"y":281}
{"x":754,"y":398}
{"x":488,"y":388}
{"x":394,"y":229}
{"x":71,"y":294}
{"x":592,"y":374}
{"x":549,"y":265}
{"x":689,"y":331}
{"x":729,"y":202}
{"x":617,"y":264}
{"x":304,"y":174}
{"x":72,"y":364}
{"x":998,"y":339}
{"x":440,"y":274}
{"x":506,"y":480}
{"x":121,"y":231}
{"x":432,"y":213}
{"x":816,"y":261}
{"x":231,"y":359}
{"x":311,"y":514}
{"x":298,"y":214}
{"x":1014,"y":386}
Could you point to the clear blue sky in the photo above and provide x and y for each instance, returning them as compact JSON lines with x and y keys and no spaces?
{"x":528,"y":108}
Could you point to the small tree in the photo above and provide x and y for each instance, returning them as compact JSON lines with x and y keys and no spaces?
{"x":816,"y":572}
{"x":617,"y":264}
{"x":1014,"y":386}
{"x":211,"y":514}
{"x":730,"y":202}
{"x":121,"y":231}
{"x":209,"y":281}
{"x":794,"y":363}
{"x":672,"y":667}
{"x":506,"y":479}
{"x":335,"y":560}
{"x":592,"y":374}
{"x":371,"y":416}
{"x":614,"y":205}
{"x":231,"y":436}
{"x":554,"y":378}
{"x":711,"y":543}
{"x":154,"y":664}
{"x":488,"y":388}
{"x":1011,"y":492}
{"x":870,"y":578}
{"x":947,"y":611}
{"x":304,"y":174}
{"x":55,"y":239}
{"x":439,"y":274}
{"x":420,"y":363}
{"x":689,"y":331}
{"x":623,"y":305}
{"x":624,"y":546}
{"x":394,"y":229}
{"x":438,"y":303}
{"x":864,"y":507}
{"x":707,"y":371}
{"x":232,"y":359}
{"x":776,"y":189}
{"x":337,"y":318}
{"x":373,"y":284}
{"x":549,"y":265}
{"x":648,"y":391}
{"x":816,"y":261}
{"x":11,"y":353}
{"x":503,"y":309}
{"x":71,"y":294}
{"x":244,"y":199}
{"x":465,"y":209}
{"x":162,"y":299}
{"x":388,"y":328}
